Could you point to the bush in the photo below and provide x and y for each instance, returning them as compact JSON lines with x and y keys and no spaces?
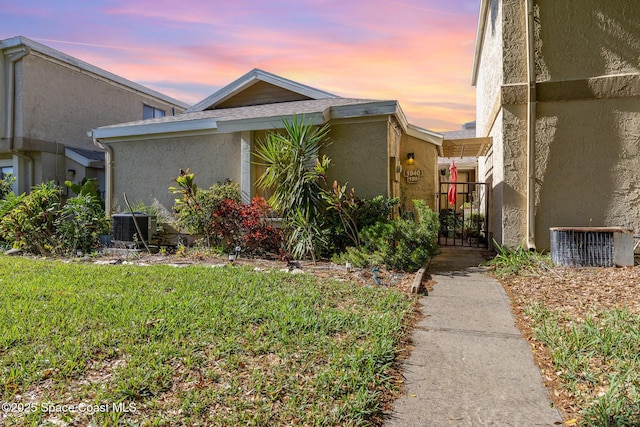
{"x":81,"y":222}
{"x":399,"y":244}
{"x":353,"y":213}
{"x":195,"y":209}
{"x":28,"y":221}
{"x":6,"y":185}
{"x":36,"y":223}
{"x":246,"y":226}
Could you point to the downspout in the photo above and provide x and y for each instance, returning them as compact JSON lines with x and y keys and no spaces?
{"x":531,"y":127}
{"x":11,"y":109}
{"x":108,"y":178}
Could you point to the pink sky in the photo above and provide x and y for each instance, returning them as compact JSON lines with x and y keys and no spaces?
{"x":419,"y":52}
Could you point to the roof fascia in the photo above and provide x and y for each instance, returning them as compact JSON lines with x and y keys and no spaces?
{"x":251,"y":78}
{"x":82,"y":160}
{"x":74,"y":62}
{"x":146,"y":129}
{"x":482,"y":23}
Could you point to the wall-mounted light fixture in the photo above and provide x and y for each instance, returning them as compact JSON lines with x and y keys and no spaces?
{"x":410,"y":158}
{"x":71,"y":173}
{"x":443,"y":172}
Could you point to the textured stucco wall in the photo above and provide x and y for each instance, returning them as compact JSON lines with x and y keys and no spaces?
{"x":588,"y":158}
{"x":61,"y":104}
{"x":587,"y":126}
{"x":145,"y":169}
{"x":590,"y":39}
{"x":426,"y":160}
{"x":489,"y":78}
{"x":359,"y":156}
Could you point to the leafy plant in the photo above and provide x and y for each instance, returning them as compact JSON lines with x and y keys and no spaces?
{"x":29,"y":220}
{"x":88,"y":186}
{"x":400,"y":244}
{"x":516,"y":261}
{"x":295,"y":171}
{"x":6,"y":185}
{"x":80,"y":223}
{"x":195,"y":209}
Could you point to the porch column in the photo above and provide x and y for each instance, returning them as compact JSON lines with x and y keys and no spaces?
{"x":246,"y":169}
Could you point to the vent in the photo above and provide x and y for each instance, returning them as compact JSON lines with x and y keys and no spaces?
{"x":123,"y":229}
{"x":592,"y":246}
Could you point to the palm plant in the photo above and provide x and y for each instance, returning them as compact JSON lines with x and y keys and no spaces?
{"x":294,"y":170}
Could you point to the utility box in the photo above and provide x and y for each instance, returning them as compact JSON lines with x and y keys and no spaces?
{"x":592,"y":246}
{"x":123,"y":229}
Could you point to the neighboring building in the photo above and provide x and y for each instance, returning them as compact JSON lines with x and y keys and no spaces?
{"x":558,"y":92}
{"x":48,"y":102}
{"x":370,"y":143}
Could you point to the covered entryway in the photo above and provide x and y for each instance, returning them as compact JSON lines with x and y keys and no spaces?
{"x":463,"y":222}
{"x":463,"y":201}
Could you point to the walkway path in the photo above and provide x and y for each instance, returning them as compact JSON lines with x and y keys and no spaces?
{"x":470,"y":365}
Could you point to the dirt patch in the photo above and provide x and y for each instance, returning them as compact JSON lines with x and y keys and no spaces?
{"x":572,"y":290}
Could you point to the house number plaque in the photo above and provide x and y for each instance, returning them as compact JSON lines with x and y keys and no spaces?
{"x":413,"y":176}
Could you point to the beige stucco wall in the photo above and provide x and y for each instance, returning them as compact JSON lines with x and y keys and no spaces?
{"x":588,"y":158}
{"x":61,"y":104}
{"x":145,"y":169}
{"x":426,"y":161}
{"x":592,"y":39}
{"x":587,"y":126}
{"x":359,"y":156}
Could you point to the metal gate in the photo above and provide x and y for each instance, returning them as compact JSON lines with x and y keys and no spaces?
{"x":465,"y":222}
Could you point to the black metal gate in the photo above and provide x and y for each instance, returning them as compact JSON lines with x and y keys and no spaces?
{"x":464,"y":222}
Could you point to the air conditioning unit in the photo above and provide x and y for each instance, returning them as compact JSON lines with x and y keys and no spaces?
{"x":592,"y":246}
{"x":123,"y":229}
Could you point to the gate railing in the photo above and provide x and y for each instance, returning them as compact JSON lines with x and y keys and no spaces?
{"x":465,"y":222}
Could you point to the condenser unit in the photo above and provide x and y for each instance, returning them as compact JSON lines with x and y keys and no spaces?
{"x":123,"y":229}
{"x":592,"y":246}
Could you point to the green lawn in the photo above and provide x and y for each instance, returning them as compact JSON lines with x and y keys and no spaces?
{"x":160,"y":345}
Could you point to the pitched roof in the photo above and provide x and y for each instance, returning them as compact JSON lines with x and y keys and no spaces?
{"x":253,"y":77}
{"x":28,"y":44}
{"x":255,"y":117}
{"x":207,"y":116}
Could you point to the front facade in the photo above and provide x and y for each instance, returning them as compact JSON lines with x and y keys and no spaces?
{"x":49,"y":101}
{"x":558,"y":92}
{"x":216,"y":139}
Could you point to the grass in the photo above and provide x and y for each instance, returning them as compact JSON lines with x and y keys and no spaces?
{"x":192,"y":346}
{"x":598,"y":360}
{"x":596,"y":355}
{"x":517,"y":261}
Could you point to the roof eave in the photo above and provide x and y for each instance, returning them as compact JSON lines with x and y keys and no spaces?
{"x":482,"y":22}
{"x":70,"y":60}
{"x":154,"y":129}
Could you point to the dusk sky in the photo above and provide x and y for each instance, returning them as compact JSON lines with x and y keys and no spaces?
{"x":419,"y":52}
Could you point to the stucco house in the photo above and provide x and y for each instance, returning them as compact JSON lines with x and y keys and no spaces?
{"x":558,"y":93}
{"x":371,"y":142}
{"x":48,"y":101}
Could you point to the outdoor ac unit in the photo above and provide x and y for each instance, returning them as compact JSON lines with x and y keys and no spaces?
{"x":592,"y":246}
{"x":123,"y":229}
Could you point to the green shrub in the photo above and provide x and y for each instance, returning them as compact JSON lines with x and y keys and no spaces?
{"x":195,"y":209}
{"x":28,"y":221}
{"x":6,"y":185}
{"x":515,"y":261}
{"x":400,"y":244}
{"x":80,"y":223}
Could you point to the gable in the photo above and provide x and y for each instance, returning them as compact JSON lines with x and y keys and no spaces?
{"x":258,"y":87}
{"x":260,"y":93}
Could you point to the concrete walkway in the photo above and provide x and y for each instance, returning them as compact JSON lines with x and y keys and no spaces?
{"x":470,"y":365}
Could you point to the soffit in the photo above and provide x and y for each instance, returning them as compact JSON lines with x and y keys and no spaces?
{"x":468,"y":147}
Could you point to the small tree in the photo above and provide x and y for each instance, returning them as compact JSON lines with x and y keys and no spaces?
{"x":295,"y":171}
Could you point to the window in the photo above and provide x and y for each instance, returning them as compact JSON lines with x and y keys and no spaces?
{"x":5,"y":170}
{"x":151,"y":113}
